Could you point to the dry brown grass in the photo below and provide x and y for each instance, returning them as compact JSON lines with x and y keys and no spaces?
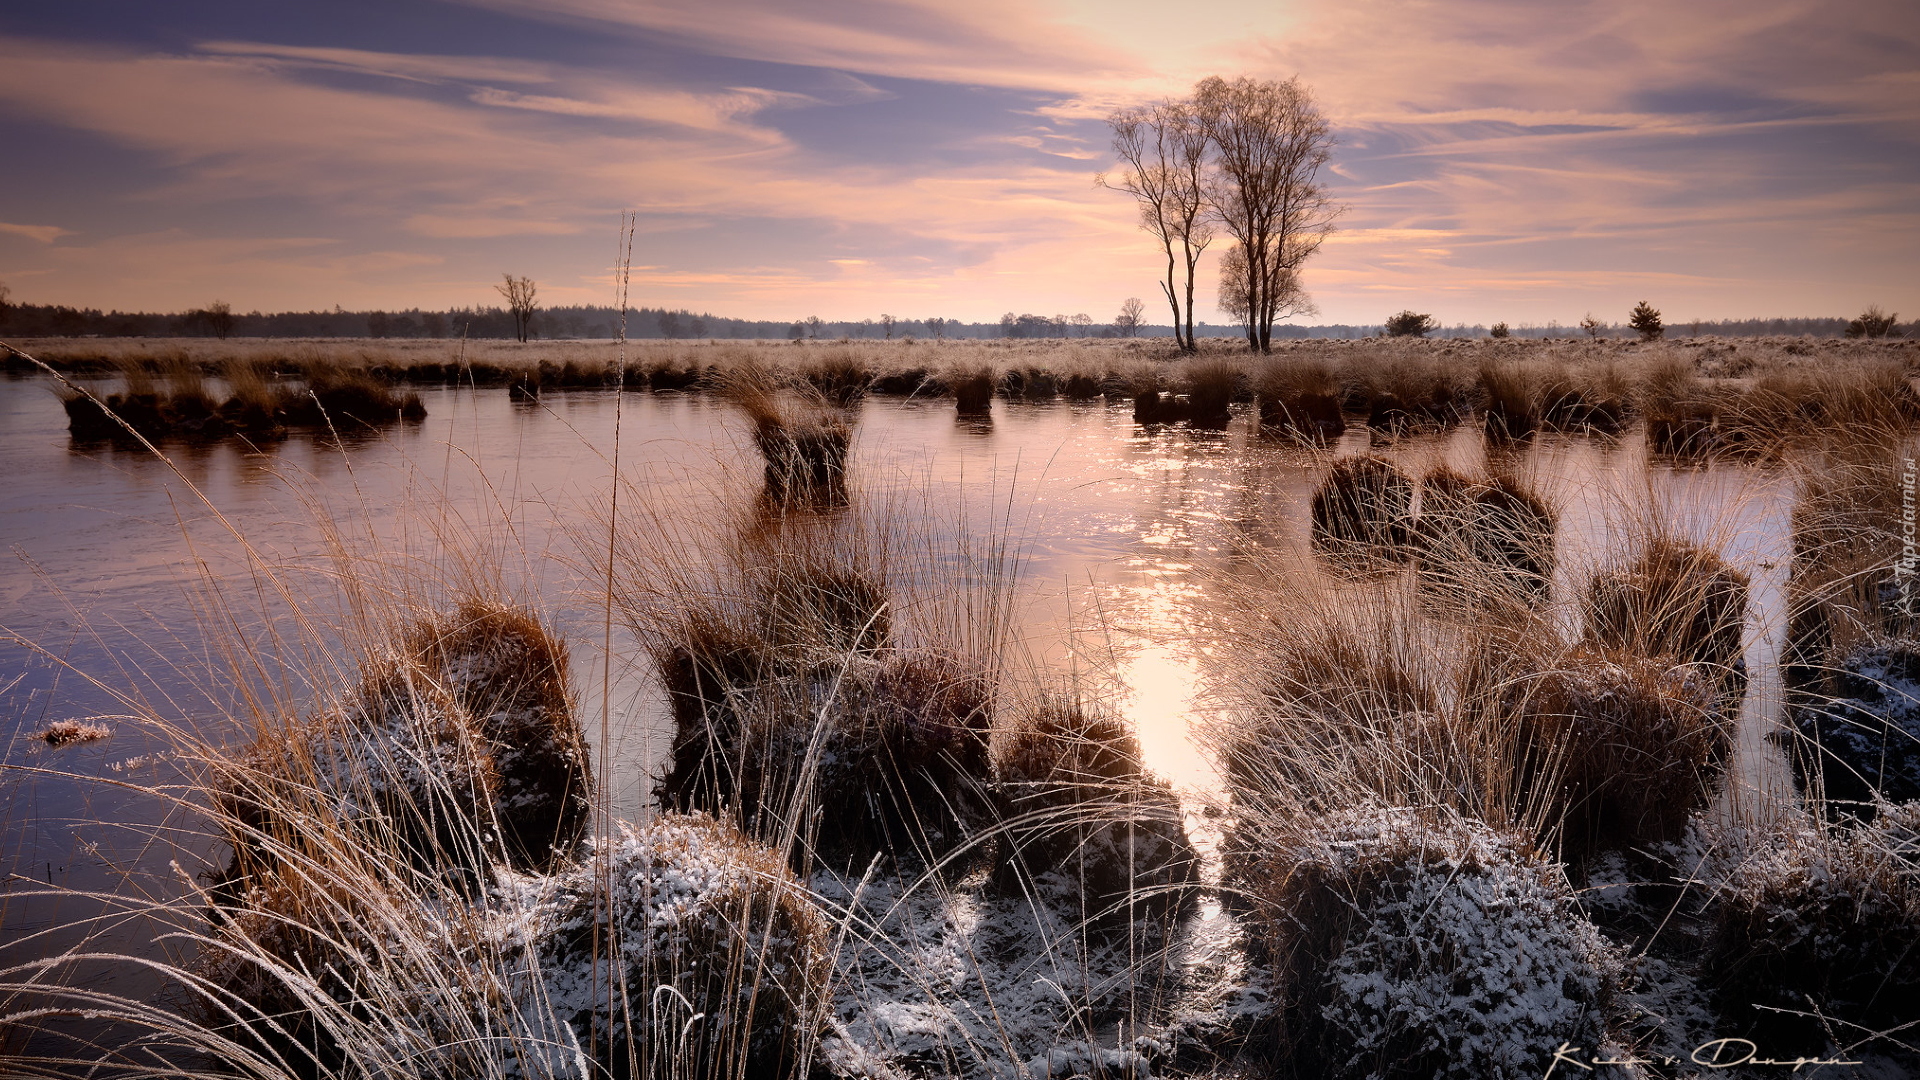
{"x":1301,"y":397}
{"x":1510,"y":410}
{"x":1625,"y":747}
{"x":1083,"y":805}
{"x":1670,"y":597}
{"x":802,"y":437}
{"x":815,"y":703}
{"x":1212,"y":384}
{"x":972,"y":387}
{"x":1484,"y":539}
{"x":1364,"y":505}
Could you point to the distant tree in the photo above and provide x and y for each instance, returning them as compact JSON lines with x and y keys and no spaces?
{"x":1500,"y":330}
{"x":1592,"y":325}
{"x":1164,"y":149}
{"x":1083,"y":322}
{"x":669,"y":324}
{"x":1645,"y":320}
{"x":376,"y":324}
{"x":697,"y":327}
{"x":1872,"y":323}
{"x":6,"y":307}
{"x":433,"y":324}
{"x":1269,"y":141}
{"x":520,"y":302}
{"x":797,"y":331}
{"x":219,"y":317}
{"x":813,"y":327}
{"x":1128,"y":321}
{"x":886,"y":325}
{"x":937,"y":326}
{"x":1411,"y":324}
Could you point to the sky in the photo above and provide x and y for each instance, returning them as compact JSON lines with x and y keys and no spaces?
{"x":1497,"y":159}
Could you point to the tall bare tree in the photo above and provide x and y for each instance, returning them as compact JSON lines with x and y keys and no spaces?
{"x":519,"y":292}
{"x":1268,"y":141}
{"x":1131,"y":312}
{"x":1164,"y":149}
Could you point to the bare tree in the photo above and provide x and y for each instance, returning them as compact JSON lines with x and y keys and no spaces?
{"x":220,"y":319}
{"x":1164,"y":149}
{"x":1083,"y":322}
{"x":1286,"y":297}
{"x":670,"y":324}
{"x":1268,"y":142}
{"x":1128,"y":321}
{"x":519,"y":293}
{"x":813,"y":327}
{"x":937,"y":326}
{"x":886,"y":325}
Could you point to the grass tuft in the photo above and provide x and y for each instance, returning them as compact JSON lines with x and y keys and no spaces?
{"x":1086,"y":813}
{"x":1365,"y":504}
{"x":1410,"y":942}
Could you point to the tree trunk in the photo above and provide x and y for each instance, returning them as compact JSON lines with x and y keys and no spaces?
{"x":1173,"y":298}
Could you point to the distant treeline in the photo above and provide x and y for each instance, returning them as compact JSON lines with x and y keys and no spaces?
{"x":43,"y":320}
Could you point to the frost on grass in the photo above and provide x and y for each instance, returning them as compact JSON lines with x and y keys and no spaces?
{"x":1814,"y":934}
{"x":508,"y":673}
{"x":458,"y":751}
{"x":976,"y":983}
{"x":1413,"y":944}
{"x":678,"y":949}
{"x":1864,"y":743}
{"x":68,"y":732}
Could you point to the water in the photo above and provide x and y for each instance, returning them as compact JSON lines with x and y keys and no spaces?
{"x":1126,"y":538}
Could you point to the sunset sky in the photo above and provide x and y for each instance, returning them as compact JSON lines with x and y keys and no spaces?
{"x":1500,"y":159}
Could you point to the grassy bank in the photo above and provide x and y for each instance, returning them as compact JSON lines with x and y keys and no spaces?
{"x":1698,"y":396}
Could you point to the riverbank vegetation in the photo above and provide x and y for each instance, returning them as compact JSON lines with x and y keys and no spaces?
{"x":1699,"y":397}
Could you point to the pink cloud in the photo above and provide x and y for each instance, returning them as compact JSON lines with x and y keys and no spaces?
{"x":1496,"y":156}
{"x":45,"y":234}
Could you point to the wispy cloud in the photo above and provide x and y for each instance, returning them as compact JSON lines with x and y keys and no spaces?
{"x":45,"y":234}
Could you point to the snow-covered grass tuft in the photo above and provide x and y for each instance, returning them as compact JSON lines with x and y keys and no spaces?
{"x":1816,"y":935}
{"x":1862,"y":744}
{"x":1424,"y":944}
{"x":678,"y":950}
{"x":459,"y":750}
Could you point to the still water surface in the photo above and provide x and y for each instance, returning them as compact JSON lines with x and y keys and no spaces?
{"x":1126,"y":536}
